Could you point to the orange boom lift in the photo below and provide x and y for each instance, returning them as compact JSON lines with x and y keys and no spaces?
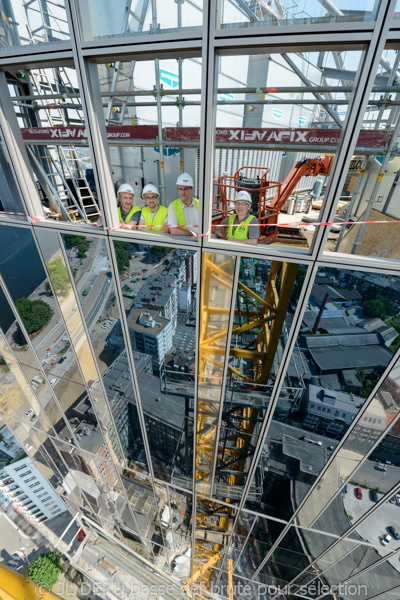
{"x":267,"y":210}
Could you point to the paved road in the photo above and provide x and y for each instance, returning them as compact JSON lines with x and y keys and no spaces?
{"x":21,"y":534}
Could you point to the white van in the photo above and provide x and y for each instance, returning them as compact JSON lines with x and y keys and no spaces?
{"x":310,"y":441}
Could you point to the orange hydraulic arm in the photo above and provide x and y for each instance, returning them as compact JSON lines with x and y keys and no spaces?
{"x":307,"y":167}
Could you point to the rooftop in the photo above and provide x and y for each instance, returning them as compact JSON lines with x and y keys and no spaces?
{"x":138,"y":316}
{"x":157,"y":290}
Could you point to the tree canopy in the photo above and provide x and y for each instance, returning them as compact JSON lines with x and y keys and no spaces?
{"x":378,"y":307}
{"x":58,"y":274}
{"x":78,"y":241}
{"x":122,"y":254}
{"x":34,"y":313}
{"x":45,"y":569}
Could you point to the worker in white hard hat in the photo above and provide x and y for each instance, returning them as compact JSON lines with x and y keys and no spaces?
{"x":154,"y":216}
{"x":241,"y":226}
{"x":183,"y":213}
{"x":129,"y":215}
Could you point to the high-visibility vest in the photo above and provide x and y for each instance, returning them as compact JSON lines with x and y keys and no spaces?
{"x":177,"y":204}
{"x":154,"y":220}
{"x":130,"y":213}
{"x":241,"y":232}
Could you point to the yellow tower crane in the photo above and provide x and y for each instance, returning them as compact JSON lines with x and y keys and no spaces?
{"x":14,"y":586}
{"x":264,"y":316}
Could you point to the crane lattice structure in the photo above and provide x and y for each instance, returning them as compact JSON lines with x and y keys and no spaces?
{"x":264,"y":317}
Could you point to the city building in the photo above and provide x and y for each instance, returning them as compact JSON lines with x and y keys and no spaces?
{"x":24,"y":485}
{"x":217,"y":404}
{"x":151,"y":334}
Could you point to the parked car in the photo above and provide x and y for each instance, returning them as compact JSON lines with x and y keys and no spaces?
{"x":358,"y":493}
{"x":29,"y":412}
{"x":397,"y":499}
{"x":62,"y":360}
{"x":53,"y":381}
{"x":393,"y":532}
{"x":380,"y":467}
{"x":373,"y":496}
{"x":392,"y":500}
{"x":386,"y":539}
{"x":33,"y":418}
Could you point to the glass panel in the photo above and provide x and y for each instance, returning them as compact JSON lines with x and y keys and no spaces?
{"x":49,"y":111}
{"x":32,"y":23}
{"x":275,"y":144}
{"x":294,"y":554}
{"x":374,"y":476}
{"x":380,"y":579}
{"x":337,"y":361}
{"x":153,"y":136}
{"x":99,"y":20}
{"x":370,"y":194}
{"x":253,"y":539}
{"x":160,"y":302}
{"x":10,"y":201}
{"x":265,"y":303}
{"x":96,"y":409}
{"x":275,"y":13}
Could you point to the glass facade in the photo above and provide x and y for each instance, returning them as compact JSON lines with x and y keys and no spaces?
{"x":199,"y":287}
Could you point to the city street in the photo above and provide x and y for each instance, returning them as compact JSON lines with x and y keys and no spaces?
{"x":21,"y":535}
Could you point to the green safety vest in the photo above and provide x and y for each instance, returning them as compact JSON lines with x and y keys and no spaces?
{"x":241,"y":232}
{"x":130,"y":213}
{"x":154,"y":220}
{"x":177,"y":204}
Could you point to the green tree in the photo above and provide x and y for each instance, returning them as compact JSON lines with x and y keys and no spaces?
{"x":58,"y":274}
{"x":78,"y":241}
{"x":379,"y":307}
{"x":159,"y":251}
{"x":45,"y":569}
{"x":34,"y":314}
{"x":122,"y":254}
{"x":48,"y":288}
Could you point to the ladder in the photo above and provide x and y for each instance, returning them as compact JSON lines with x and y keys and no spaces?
{"x":52,"y":27}
{"x":123,"y":77}
{"x":61,"y":163}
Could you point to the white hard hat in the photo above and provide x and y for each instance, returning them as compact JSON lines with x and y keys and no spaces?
{"x":150,"y":189}
{"x":185,"y":179}
{"x":242,"y":195}
{"x":125,"y":187}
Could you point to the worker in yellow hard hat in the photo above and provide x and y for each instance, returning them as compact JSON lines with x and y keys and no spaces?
{"x":241,"y":226}
{"x":154,"y":216}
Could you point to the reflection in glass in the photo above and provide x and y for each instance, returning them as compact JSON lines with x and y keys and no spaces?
{"x":31,"y":23}
{"x":292,"y":13}
{"x":158,"y":286}
{"x":146,"y":121}
{"x":337,"y":361}
{"x":268,"y":123}
{"x":100,"y":20}
{"x":370,"y":189}
{"x":62,"y":168}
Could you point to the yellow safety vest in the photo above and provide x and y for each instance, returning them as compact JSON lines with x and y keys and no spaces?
{"x":177,"y":204}
{"x":241,"y":232}
{"x":130,"y":213}
{"x":154,"y":220}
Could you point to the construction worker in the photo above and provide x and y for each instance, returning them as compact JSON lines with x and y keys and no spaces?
{"x":185,"y":210}
{"x":242,"y":226}
{"x":154,"y":216}
{"x":129,"y":215}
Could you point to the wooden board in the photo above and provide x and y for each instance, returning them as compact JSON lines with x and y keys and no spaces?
{"x":377,"y":240}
